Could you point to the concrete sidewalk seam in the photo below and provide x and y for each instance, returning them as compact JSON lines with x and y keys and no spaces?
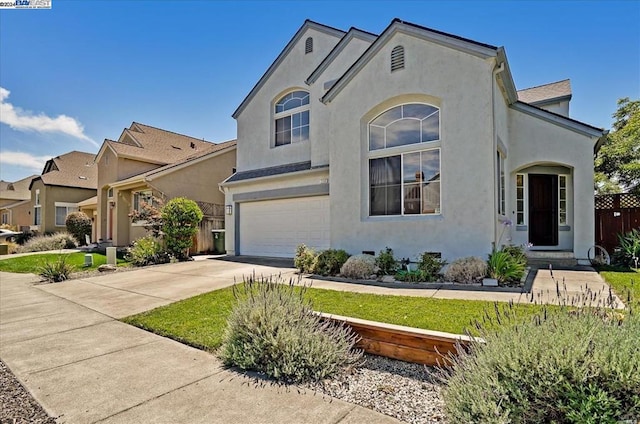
{"x":341,"y":418}
{"x":91,"y":357}
{"x":28,"y":319}
{"x":158,"y":396}
{"x":121,"y":289}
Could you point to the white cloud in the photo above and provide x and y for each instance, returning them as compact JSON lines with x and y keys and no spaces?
{"x":24,"y":120}
{"x":24,"y":160}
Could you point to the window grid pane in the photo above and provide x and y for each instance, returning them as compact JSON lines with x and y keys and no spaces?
{"x":562,"y":200}
{"x":404,"y":125}
{"x":520,"y":199}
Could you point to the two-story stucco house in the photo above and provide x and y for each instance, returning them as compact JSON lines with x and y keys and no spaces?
{"x":413,"y":139}
{"x":147,"y":161}
{"x":66,"y":180}
{"x":15,"y":202}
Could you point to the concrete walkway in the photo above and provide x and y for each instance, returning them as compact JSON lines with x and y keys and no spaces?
{"x":83,"y":366}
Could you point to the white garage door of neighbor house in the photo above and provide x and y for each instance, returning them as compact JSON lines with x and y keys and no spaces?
{"x":276,"y":227}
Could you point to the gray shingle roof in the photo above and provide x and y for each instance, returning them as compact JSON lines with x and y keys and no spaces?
{"x":271,"y":171}
{"x":73,"y":169}
{"x":545,"y":93}
{"x":18,"y":190}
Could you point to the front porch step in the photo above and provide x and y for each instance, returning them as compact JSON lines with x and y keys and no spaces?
{"x":553,"y":258}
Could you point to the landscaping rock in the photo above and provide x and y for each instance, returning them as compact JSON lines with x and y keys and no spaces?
{"x":106,"y":268}
{"x":16,"y":403}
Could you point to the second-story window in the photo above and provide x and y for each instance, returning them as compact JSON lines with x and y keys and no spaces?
{"x":292,"y":118}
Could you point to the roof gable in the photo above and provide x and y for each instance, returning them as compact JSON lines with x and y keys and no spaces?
{"x":335,"y":52}
{"x":546,"y":93}
{"x":73,"y":169}
{"x":448,"y":40}
{"x":308,"y":24}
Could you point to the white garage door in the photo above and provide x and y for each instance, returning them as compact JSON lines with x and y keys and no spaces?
{"x":276,"y":227}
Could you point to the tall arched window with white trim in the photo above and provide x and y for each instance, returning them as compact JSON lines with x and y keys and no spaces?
{"x":291,"y":115}
{"x":404,"y":161}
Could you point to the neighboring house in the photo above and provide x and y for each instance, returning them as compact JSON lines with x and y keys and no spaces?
{"x":15,"y":202}
{"x":66,"y":180}
{"x":148,"y":161}
{"x":414,"y":139}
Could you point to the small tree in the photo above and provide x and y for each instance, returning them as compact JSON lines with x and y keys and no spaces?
{"x":150,"y":214}
{"x":79,"y":225}
{"x":180,"y":219}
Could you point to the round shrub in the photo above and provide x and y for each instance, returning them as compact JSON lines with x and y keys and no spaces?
{"x":273,"y":330}
{"x":330,"y":261}
{"x":578,"y":367}
{"x":359,"y":267}
{"x":466,"y":270}
{"x":305,"y":259}
{"x":147,"y":251}
{"x":78,"y":225}
{"x":180,"y":219}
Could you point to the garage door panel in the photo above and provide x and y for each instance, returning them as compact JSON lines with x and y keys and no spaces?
{"x":277,"y":227}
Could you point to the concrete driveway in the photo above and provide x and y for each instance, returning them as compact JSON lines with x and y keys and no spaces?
{"x":83,"y":366}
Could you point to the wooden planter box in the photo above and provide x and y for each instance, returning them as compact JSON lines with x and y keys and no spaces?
{"x":404,"y":343}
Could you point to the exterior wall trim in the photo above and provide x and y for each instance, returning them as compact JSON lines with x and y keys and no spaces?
{"x":560,"y":121}
{"x":282,"y":193}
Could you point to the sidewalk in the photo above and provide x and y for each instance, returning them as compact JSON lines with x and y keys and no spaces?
{"x":84,"y":366}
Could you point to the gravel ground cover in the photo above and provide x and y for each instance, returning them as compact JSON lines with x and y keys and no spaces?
{"x":402,"y":390}
{"x":17,"y":406}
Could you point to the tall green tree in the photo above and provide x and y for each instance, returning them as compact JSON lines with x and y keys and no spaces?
{"x":617,"y":164}
{"x":180,"y":219}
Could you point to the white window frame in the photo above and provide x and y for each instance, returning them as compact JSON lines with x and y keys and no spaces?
{"x":37,"y":209}
{"x":562,"y":190}
{"x":502,"y":202}
{"x":6,"y":217}
{"x":68,"y":206}
{"x":287,"y":113}
{"x":421,"y":146}
{"x":524,"y":199}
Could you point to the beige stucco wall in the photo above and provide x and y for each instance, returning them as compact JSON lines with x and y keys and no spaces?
{"x":20,"y":215}
{"x":458,"y":83}
{"x":49,"y":195}
{"x":536,"y":142}
{"x":255,"y":122}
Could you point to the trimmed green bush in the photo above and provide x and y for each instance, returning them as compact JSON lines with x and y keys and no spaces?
{"x":55,"y":241}
{"x":386,"y":262}
{"x":272,"y":329}
{"x":56,"y":270}
{"x":78,"y":225}
{"x":330,"y":261}
{"x":430,"y":265}
{"x":180,"y":219}
{"x":147,"y":251}
{"x":305,"y":259}
{"x":580,"y":366}
{"x":414,"y":276}
{"x":359,"y":267}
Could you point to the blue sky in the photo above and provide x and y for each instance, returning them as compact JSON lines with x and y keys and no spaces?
{"x":84,"y":70}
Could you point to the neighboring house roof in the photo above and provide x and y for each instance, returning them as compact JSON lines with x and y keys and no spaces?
{"x":272,"y":171}
{"x":73,"y":169}
{"x":13,"y":205}
{"x":546,"y":93}
{"x":91,"y":201}
{"x":307,"y":24}
{"x":150,"y":144}
{"x":18,"y":190}
{"x":203,"y":154}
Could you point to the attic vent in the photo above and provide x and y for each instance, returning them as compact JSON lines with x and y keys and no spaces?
{"x":308,"y":45}
{"x":10,"y":187}
{"x":397,"y":58}
{"x":176,"y":147}
{"x":193,"y":145}
{"x":82,"y":177}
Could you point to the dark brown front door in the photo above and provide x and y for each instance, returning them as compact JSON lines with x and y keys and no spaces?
{"x":543,"y":210}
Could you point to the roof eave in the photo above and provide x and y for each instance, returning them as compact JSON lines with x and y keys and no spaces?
{"x":307,"y":25}
{"x":568,"y":123}
{"x":311,"y":171}
{"x":507,"y":77}
{"x":176,"y":167}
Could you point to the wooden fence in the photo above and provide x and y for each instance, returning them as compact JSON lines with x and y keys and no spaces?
{"x":615,"y":214}
{"x":213,"y":220}
{"x":404,"y":343}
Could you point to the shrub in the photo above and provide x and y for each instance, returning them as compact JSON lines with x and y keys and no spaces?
{"x":628,"y":250}
{"x":466,"y":270}
{"x":504,"y":268}
{"x":385,"y":261}
{"x":147,"y":251}
{"x":55,"y":241}
{"x":579,"y":367}
{"x":57,"y":270}
{"x":517,"y":253}
{"x":414,"y":276}
{"x":180,"y":219}
{"x":330,"y":261}
{"x":430,"y":265}
{"x":272,"y":329}
{"x":359,"y":267}
{"x":305,"y":259}
{"x":79,"y":225}
{"x":23,"y":237}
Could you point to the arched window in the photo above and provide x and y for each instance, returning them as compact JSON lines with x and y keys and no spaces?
{"x":292,"y":118}
{"x":308,"y":45}
{"x":397,"y":58}
{"x":406,"y":182}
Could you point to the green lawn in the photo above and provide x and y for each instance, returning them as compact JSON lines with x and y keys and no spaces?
{"x":626,"y":284}
{"x":200,"y":320}
{"x":31,"y":263}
